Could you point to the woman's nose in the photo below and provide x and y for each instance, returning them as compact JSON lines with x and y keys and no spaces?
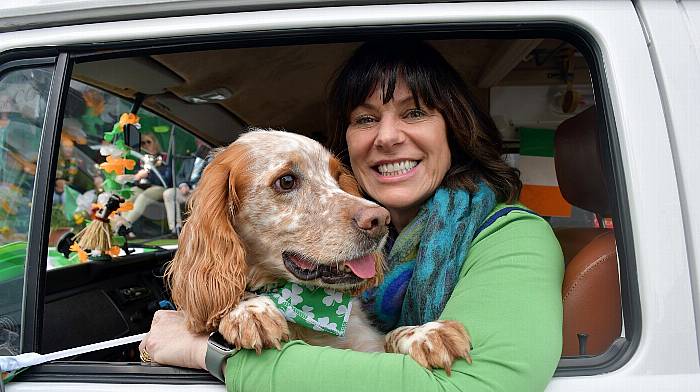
{"x":389,"y":133}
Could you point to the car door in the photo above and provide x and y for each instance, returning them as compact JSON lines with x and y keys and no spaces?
{"x":659,"y":343}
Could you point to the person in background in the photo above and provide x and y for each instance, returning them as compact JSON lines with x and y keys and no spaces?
{"x":419,"y":145}
{"x":181,"y":194}
{"x":150,"y":180}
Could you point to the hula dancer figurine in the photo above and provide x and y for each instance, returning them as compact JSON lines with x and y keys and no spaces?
{"x":97,"y":236}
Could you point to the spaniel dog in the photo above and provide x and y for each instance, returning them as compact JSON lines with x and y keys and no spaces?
{"x":277,"y":206}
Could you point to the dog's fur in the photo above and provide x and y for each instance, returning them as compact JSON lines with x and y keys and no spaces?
{"x":241,"y":223}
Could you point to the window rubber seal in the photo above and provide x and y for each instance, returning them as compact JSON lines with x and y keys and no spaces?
{"x":40,"y":214}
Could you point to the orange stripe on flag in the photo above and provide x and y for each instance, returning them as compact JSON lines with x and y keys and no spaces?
{"x":545,"y":200}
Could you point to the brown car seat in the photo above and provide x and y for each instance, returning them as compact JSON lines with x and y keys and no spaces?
{"x":591,"y":288}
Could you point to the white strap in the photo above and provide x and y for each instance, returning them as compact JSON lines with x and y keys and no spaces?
{"x":10,"y":363}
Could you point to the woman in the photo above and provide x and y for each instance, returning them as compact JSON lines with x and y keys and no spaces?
{"x":174,"y":198}
{"x":419,"y":146}
{"x":151,"y":187}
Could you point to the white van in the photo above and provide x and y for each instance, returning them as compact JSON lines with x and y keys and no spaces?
{"x":594,"y":99}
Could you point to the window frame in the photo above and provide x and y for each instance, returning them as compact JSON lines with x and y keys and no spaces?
{"x":40,"y":218}
{"x":614,"y":358}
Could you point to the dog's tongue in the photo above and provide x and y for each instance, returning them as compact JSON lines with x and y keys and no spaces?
{"x":362,"y":267}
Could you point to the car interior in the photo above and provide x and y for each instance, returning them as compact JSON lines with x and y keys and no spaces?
{"x":539,"y":91}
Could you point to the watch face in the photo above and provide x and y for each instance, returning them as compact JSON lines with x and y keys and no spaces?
{"x":215,"y":339}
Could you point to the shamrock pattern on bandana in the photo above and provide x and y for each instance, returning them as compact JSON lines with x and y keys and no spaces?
{"x":316,"y":308}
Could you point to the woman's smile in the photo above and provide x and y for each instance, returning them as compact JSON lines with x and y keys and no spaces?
{"x":397,"y":170}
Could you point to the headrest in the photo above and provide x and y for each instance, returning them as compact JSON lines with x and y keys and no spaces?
{"x":577,"y":158}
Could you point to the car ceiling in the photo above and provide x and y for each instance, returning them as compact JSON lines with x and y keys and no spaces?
{"x":285,"y":86}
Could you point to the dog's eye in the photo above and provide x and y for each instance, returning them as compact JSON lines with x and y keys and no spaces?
{"x":285,"y":183}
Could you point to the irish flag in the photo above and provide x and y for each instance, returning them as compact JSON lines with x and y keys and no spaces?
{"x":540,"y":191}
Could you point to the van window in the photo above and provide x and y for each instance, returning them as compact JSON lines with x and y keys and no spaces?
{"x":542,"y":102}
{"x":23,"y":96}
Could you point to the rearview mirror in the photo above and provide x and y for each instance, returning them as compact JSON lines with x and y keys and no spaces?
{"x":132,"y":137}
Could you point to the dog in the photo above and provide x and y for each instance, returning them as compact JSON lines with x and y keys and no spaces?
{"x":277,"y":206}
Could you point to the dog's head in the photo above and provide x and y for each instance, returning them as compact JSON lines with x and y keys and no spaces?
{"x":273,"y":206}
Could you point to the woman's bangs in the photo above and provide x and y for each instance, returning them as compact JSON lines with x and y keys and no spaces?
{"x":384,"y":73}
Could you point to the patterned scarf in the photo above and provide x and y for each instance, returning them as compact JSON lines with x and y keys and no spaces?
{"x":426,"y":258}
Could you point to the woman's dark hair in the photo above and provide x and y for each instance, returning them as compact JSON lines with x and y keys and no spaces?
{"x":475,"y":142}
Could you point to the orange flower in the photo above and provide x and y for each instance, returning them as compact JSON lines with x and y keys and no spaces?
{"x":128,"y":118}
{"x":6,"y":207}
{"x":82,"y":255}
{"x":117,"y":165}
{"x":126,"y":206}
{"x":123,"y":207}
{"x":94,"y":100}
{"x":113,"y":251}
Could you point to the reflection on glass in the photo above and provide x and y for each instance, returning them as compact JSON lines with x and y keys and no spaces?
{"x":23,"y":95}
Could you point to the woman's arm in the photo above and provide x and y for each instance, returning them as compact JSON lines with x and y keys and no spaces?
{"x":508,"y":297}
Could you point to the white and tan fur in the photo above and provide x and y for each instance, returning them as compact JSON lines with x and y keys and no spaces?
{"x":240,"y":224}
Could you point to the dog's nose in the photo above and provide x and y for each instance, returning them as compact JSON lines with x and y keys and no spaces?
{"x":372,"y":220}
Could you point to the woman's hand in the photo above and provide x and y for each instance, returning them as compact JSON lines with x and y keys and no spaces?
{"x":141,"y":174}
{"x":184,"y":189}
{"x":170,"y":343}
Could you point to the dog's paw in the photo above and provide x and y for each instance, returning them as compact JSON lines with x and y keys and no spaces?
{"x":255,"y":324}
{"x":433,"y":345}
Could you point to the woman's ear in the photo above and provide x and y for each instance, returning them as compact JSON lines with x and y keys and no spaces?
{"x":207,"y":276}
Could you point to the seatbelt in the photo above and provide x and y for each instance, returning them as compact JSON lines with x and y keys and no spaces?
{"x":25,"y":360}
{"x":500,"y":213}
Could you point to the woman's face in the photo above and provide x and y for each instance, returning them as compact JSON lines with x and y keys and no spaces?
{"x":398,"y":152}
{"x":148,"y":145}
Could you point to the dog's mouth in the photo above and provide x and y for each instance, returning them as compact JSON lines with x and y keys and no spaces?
{"x":347,"y":273}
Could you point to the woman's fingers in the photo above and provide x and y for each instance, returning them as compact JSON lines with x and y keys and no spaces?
{"x":170,"y":343}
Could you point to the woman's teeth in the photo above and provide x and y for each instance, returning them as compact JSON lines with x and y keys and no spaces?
{"x":396,"y":168}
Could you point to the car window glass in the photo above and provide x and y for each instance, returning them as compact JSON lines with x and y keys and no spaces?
{"x":164,"y":162}
{"x":23,"y":95}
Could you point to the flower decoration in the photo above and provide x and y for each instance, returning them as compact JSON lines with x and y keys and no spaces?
{"x":111,"y":149}
{"x":117,"y":165}
{"x":95,"y":240}
{"x":82,"y":255}
{"x":94,"y":101}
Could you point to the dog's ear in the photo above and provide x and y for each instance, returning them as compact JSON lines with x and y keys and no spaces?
{"x":207,"y":276}
{"x":346,"y":181}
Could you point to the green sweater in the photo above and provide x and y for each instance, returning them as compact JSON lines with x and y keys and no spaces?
{"x":509,"y":299}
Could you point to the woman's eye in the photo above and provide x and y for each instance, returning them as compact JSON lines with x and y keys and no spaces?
{"x":415,"y":114}
{"x":363,"y":120}
{"x":286,"y":183}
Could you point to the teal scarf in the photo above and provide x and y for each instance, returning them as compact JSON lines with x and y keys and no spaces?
{"x":425,"y":260}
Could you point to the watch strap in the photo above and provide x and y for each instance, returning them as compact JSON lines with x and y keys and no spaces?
{"x":218,"y":351}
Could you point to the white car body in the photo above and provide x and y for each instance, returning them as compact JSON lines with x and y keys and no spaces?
{"x":651,"y":57}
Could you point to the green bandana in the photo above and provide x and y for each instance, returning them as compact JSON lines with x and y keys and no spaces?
{"x":313,"y":307}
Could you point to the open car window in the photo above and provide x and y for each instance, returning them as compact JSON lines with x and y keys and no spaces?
{"x":529,"y":105}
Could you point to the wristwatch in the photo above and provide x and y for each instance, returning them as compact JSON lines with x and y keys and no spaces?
{"x":218,"y":351}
